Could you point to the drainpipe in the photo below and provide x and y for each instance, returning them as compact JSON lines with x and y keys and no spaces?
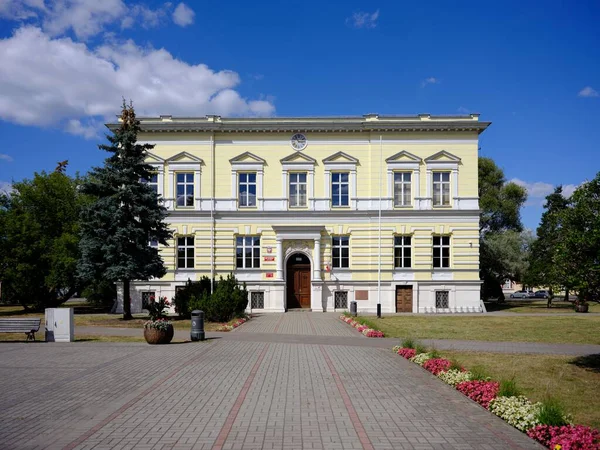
{"x":212,"y":211}
{"x":379,"y":265}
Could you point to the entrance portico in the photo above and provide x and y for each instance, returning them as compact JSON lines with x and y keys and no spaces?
{"x":299,"y":265}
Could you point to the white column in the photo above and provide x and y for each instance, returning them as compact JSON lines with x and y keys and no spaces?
{"x":317,"y":260}
{"x":455,"y":186}
{"x":279,"y":257}
{"x":417,"y":188}
{"x":311,"y":190}
{"x":197,"y":196}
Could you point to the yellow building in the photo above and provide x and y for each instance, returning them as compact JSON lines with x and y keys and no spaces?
{"x":318,"y":212}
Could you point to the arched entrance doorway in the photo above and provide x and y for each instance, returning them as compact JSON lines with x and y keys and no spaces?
{"x":297,"y":281}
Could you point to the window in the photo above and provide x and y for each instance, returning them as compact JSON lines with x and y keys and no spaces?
{"x":441,"y":299}
{"x":402,"y":188}
{"x":147,"y":298}
{"x":402,"y":254}
{"x":247,"y":189}
{"x":441,"y":188}
{"x":247,"y":252}
{"x":185,"y":189}
{"x":441,"y":251}
{"x":340,"y":300}
{"x":257,"y":300}
{"x":341,"y":252}
{"x":297,"y":189}
{"x":185,"y":252}
{"x":152,"y":182}
{"x":339,"y":189}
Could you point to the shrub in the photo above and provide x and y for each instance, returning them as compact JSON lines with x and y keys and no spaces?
{"x":552,"y":413}
{"x":407,"y":353}
{"x":228,"y":300}
{"x":156,"y":308}
{"x":508,"y":388}
{"x":483,"y":392}
{"x":420,"y":358}
{"x":437,"y":365}
{"x":184,"y":295}
{"x":454,"y":376}
{"x":479,"y":373}
{"x":435,"y":353}
{"x":517,"y":411}
{"x":408,"y":343}
{"x":569,"y":437}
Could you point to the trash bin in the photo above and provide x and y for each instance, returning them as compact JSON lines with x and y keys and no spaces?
{"x":197,"y":333}
{"x":353,"y":308}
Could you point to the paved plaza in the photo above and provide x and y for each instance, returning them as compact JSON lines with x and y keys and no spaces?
{"x":254,"y":388}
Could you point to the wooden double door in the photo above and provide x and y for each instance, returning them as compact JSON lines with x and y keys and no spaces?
{"x":404,"y":298}
{"x":298,"y":281}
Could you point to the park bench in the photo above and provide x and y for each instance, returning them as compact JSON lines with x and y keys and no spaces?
{"x":27,"y":326}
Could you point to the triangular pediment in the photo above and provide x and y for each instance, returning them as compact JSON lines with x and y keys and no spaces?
{"x":403,"y":156}
{"x":340,"y":158}
{"x":184,"y":157}
{"x":247,"y":158}
{"x":151,"y":158}
{"x":442,"y":156}
{"x":298,"y":158}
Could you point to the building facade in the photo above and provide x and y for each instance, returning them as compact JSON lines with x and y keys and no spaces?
{"x":318,"y":212}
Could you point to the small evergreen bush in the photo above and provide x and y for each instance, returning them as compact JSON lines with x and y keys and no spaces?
{"x":229,"y":300}
{"x":184,"y":295}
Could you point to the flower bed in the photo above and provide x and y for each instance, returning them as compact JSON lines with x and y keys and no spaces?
{"x":364,"y":329}
{"x":518,"y":411}
{"x":232,"y":325}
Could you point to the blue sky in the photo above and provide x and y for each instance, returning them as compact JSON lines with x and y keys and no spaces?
{"x":532,"y":68}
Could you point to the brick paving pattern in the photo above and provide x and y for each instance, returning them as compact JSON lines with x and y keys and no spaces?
{"x":299,"y":323}
{"x":244,"y":391}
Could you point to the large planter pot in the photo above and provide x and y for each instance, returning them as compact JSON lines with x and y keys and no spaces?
{"x":155,"y":336}
{"x":582,"y":308}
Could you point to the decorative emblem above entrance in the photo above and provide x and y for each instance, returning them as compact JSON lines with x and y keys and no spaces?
{"x":298,"y":141}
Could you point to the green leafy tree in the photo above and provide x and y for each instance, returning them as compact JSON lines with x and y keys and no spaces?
{"x":39,"y":237}
{"x":544,"y":268}
{"x":500,"y":203}
{"x":117,"y":228}
{"x":578,"y":254}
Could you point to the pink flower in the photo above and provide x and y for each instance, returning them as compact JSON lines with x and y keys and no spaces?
{"x":568,"y":437}
{"x":480,"y":391}
{"x":407,"y":352}
{"x":437,"y":365}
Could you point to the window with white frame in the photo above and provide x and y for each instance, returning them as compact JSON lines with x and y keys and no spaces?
{"x":184,"y":188}
{"x":441,"y":188}
{"x":442,"y":299}
{"x":340,"y":299}
{"x":441,"y":251}
{"x":402,"y":252}
{"x":339,"y":189}
{"x":257,"y":300}
{"x":340,"y":252}
{"x":402,"y":188}
{"x":152,"y":181}
{"x":247,"y":252}
{"x":185,"y":252}
{"x":147,"y":298}
{"x":247,"y":189}
{"x":297,"y":189}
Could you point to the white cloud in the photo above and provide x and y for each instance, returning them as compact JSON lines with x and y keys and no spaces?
{"x":588,"y":91}
{"x":71,"y":85}
{"x":539,"y":190}
{"x":21,"y":9}
{"x":6,"y":158}
{"x":363,"y":19}
{"x":183,"y":15}
{"x":430,"y":80}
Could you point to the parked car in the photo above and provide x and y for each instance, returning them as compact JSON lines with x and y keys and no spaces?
{"x":531,"y":294}
{"x":519,"y":294}
{"x":542,"y":294}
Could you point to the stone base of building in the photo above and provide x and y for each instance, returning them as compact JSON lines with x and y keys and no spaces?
{"x":394,"y":297}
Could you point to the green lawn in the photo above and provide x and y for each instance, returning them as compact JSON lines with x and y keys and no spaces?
{"x":537,"y":306}
{"x":575,"y":382}
{"x":575,"y":329}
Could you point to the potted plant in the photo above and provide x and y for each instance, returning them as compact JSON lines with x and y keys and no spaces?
{"x":158,"y":330}
{"x":581,"y":304}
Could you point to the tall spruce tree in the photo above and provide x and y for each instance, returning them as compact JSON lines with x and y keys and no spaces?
{"x":117,"y":228}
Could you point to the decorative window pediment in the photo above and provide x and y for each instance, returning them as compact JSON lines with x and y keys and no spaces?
{"x":247,"y":158}
{"x":340,"y":158}
{"x":442,"y":157}
{"x":153,"y":159}
{"x":298,"y":158}
{"x":184,"y":158}
{"x":403,"y":157}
